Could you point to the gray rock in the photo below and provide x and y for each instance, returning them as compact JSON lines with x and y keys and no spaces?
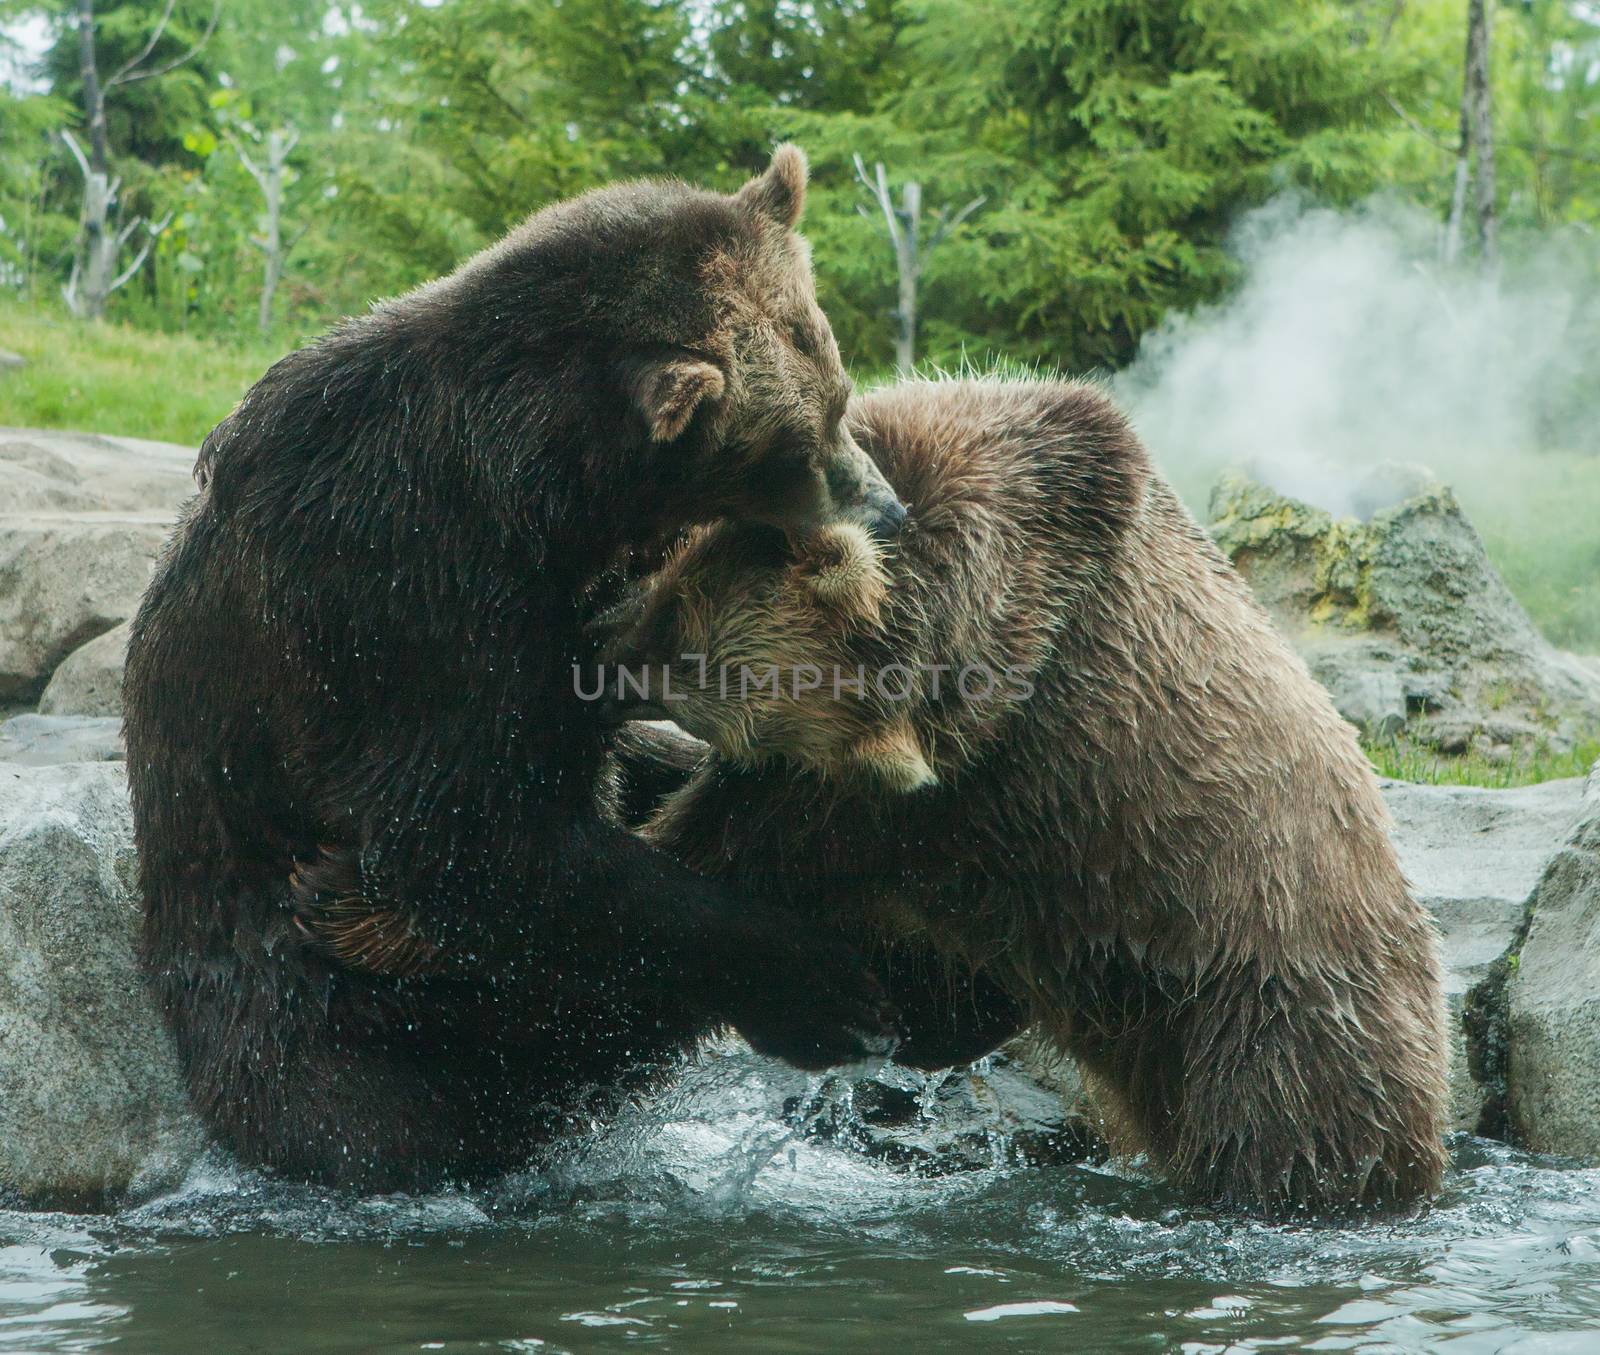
{"x":1553,"y":1001}
{"x":89,"y":680}
{"x":1460,"y":844}
{"x":11,"y":362}
{"x":1401,"y":616}
{"x":82,"y":518}
{"x":1372,"y":697}
{"x":51,"y":471}
{"x":91,"y":1101}
{"x":49,"y":740}
{"x":1473,"y":856}
{"x":66,"y":578}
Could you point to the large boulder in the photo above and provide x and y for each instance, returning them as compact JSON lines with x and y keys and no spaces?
{"x":1399,"y":613}
{"x":1553,"y":1001}
{"x":49,"y":740}
{"x":89,"y":680}
{"x":49,"y":471}
{"x":91,"y":1100}
{"x":82,"y":518}
{"x":1473,"y":857}
{"x":66,"y":578}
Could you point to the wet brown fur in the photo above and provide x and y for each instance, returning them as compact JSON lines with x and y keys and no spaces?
{"x":1173,"y":856}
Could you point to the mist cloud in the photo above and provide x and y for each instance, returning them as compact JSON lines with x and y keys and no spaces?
{"x":1348,"y":343}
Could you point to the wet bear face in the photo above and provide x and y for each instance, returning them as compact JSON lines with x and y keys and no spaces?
{"x":768,"y":650}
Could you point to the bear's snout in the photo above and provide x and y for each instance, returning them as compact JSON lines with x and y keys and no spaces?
{"x":860,"y":495}
{"x":891,"y":517}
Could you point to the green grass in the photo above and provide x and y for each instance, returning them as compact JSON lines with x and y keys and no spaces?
{"x":111,"y":378}
{"x":1408,"y":763}
{"x":1540,"y":523}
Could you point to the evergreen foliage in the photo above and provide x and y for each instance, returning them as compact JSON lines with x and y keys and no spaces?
{"x":1114,"y":143}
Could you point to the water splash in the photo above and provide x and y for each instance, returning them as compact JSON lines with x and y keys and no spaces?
{"x":748,"y":1205}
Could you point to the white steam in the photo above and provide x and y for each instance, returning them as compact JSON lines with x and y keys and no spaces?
{"x":1348,"y":344}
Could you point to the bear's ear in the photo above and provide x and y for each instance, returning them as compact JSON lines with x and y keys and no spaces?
{"x":667,"y":391}
{"x":842,"y":568}
{"x":895,"y":758}
{"x":780,"y":193}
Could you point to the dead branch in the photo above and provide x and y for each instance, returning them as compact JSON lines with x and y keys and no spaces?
{"x":130,"y":73}
{"x":155,"y":37}
{"x":155,"y":233}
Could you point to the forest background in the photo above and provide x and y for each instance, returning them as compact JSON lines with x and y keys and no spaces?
{"x":1174,"y":194}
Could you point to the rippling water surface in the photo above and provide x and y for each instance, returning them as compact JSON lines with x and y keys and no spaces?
{"x":709,"y":1220}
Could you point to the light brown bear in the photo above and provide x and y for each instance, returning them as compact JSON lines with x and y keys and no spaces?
{"x":1082,"y":767}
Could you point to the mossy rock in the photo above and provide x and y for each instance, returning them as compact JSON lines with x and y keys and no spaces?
{"x":1404,"y":603}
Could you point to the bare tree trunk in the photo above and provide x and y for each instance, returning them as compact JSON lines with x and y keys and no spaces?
{"x":94,"y":99}
{"x":909,"y":268}
{"x":271,"y":275}
{"x":1477,"y":140}
{"x":1480,"y":17}
{"x":269,"y":178}
{"x":94,"y":264}
{"x":910,"y":253}
{"x":1458,"y":194}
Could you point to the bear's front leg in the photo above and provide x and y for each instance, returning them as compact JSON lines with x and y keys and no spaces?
{"x":794,"y":991}
{"x":1276,"y":1091}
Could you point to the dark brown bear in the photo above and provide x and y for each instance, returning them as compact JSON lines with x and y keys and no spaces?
{"x":353,"y":673}
{"x":1097,"y":780}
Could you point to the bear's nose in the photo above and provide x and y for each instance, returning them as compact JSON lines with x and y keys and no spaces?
{"x":886,"y":526}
